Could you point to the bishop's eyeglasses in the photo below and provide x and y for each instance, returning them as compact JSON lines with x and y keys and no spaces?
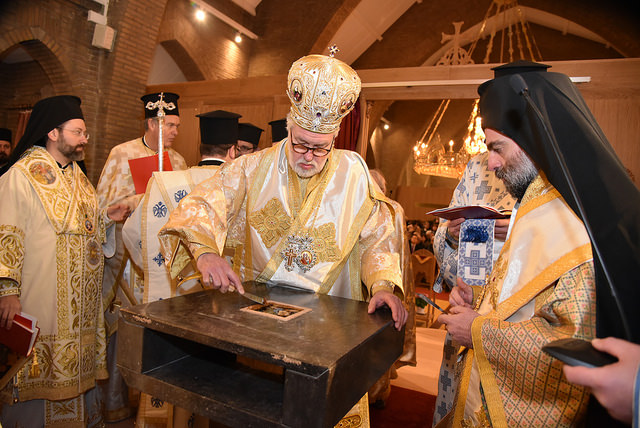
{"x":317,"y":151}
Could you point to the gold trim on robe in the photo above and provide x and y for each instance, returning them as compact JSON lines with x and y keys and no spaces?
{"x":61,"y":230}
{"x":541,"y":288}
{"x":319,"y":221}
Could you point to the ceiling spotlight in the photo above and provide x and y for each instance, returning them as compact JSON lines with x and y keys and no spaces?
{"x":200,"y":15}
{"x":386,"y":124}
{"x":238,"y":38}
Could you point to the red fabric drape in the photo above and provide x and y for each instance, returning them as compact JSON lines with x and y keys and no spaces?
{"x":349,"y":130}
{"x":23,"y":118}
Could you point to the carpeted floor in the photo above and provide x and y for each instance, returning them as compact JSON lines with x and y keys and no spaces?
{"x":405,"y":408}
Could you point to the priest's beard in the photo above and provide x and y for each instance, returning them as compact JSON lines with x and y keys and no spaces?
{"x":71,"y":152}
{"x":4,"y":158}
{"x":517,"y":174}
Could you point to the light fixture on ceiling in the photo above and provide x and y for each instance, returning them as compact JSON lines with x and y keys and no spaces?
{"x":200,"y":15}
{"x":385,"y":123}
{"x":238,"y":38}
{"x":430,"y":157}
{"x":239,"y":28}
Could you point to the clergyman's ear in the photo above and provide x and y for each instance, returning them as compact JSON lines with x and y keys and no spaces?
{"x":53,"y":134}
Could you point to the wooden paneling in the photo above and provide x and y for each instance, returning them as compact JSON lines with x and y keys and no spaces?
{"x":612,"y":93}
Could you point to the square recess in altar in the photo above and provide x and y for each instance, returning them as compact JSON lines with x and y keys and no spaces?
{"x":278,"y":310}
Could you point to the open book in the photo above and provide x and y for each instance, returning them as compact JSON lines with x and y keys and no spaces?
{"x":470,"y":211}
{"x":22,"y":335}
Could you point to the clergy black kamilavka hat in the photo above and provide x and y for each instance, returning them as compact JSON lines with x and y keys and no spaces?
{"x":250,"y":133}
{"x":278,"y":130}
{"x":153,"y":102}
{"x":46,"y":115}
{"x":5,"y":134}
{"x":219,"y":127}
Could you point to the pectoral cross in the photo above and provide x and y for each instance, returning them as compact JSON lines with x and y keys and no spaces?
{"x":290,"y":256}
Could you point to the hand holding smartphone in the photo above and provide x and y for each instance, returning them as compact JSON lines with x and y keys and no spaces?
{"x":578,"y":352}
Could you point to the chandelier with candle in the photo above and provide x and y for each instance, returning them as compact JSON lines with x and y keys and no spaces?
{"x":431,"y":156}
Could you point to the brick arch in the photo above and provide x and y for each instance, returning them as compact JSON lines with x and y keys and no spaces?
{"x":183,"y":59}
{"x":44,"y":50}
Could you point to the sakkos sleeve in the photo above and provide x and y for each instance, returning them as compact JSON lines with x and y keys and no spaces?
{"x":200,"y":222}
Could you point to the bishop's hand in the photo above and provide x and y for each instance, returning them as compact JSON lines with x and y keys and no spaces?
{"x":398,"y":311}
{"x":217,"y":273}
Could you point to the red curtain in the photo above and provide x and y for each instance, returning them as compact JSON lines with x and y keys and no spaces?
{"x":23,"y":118}
{"x":349,"y":130}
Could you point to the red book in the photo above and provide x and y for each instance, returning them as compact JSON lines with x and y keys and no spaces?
{"x":143,"y":168}
{"x":22,"y":335}
{"x":470,"y":211}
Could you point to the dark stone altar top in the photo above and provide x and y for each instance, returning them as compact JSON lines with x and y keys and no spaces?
{"x":330,"y":356}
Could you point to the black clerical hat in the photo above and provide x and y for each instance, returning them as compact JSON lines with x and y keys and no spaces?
{"x":278,"y":130}
{"x":517,"y":67}
{"x":5,"y":134}
{"x":219,"y":127}
{"x":46,"y":115}
{"x":249,"y":133}
{"x":152,"y":104}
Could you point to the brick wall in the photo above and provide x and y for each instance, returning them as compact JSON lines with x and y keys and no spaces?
{"x":58,"y":36}
{"x":209,"y":44}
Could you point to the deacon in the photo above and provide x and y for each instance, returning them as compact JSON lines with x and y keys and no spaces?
{"x":218,"y":138}
{"x":51,"y":262}
{"x":121,"y":283}
{"x":544,"y":285}
{"x":248,"y":138}
{"x":299,"y":213}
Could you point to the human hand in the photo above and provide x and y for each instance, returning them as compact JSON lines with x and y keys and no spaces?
{"x":398,"y":312}
{"x":461,"y":295}
{"x":501,"y":228}
{"x":458,"y":322}
{"x":612,"y":384}
{"x":9,"y":307}
{"x":118,"y":212}
{"x":217,"y":273}
{"x":453,"y":227}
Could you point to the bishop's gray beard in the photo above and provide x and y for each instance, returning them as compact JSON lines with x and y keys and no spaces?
{"x":517,"y":175}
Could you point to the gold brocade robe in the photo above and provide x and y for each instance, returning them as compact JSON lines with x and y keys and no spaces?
{"x":542,"y":288}
{"x":51,"y":234}
{"x":324,"y":234}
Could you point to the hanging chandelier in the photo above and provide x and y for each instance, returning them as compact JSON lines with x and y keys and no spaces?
{"x":429,"y":154}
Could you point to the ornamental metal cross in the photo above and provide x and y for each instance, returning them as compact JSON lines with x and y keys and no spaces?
{"x":290,"y":255}
{"x":160,"y":105}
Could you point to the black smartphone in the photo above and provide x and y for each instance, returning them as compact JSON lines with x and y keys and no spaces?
{"x":578,"y":352}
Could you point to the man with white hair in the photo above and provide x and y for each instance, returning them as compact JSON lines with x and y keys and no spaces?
{"x":301,"y":212}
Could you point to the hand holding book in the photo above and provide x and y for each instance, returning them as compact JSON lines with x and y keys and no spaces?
{"x":22,"y":335}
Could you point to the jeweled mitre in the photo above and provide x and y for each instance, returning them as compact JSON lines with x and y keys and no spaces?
{"x":322,"y":90}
